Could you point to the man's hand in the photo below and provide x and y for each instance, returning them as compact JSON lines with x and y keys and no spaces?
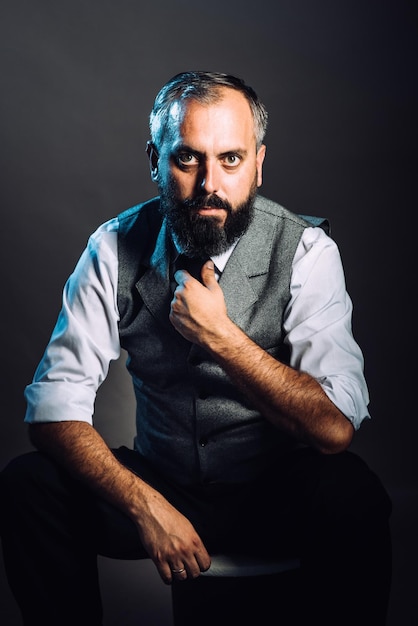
{"x":198,"y":311}
{"x":290,"y":399}
{"x":168,"y":537}
{"x":170,"y":540}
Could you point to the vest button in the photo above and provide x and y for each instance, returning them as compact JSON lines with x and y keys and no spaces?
{"x":203,"y":441}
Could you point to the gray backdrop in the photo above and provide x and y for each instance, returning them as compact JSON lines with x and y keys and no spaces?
{"x":337,"y":76}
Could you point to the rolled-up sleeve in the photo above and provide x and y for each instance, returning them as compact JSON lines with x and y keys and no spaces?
{"x":318,"y":325}
{"x":85,"y":338}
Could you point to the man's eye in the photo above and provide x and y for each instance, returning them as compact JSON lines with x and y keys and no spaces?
{"x":186,"y":158}
{"x":232,"y":160}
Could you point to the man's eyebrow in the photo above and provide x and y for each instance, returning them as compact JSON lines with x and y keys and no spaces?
{"x":240,"y":151}
{"x":185,"y":148}
{"x":182,"y":147}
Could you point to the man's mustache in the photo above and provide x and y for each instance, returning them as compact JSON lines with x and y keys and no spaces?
{"x":207,"y":201}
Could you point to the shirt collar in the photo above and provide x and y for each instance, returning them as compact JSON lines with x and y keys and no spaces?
{"x":219,"y":260}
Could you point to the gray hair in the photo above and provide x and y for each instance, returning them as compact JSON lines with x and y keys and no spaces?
{"x":205,"y":88}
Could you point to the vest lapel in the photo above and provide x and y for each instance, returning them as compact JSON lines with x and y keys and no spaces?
{"x":250,"y":259}
{"x":154,"y":284}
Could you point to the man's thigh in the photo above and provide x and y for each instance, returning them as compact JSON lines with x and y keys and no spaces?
{"x":308,"y":495}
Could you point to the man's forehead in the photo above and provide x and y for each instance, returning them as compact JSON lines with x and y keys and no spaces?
{"x":230,"y":105}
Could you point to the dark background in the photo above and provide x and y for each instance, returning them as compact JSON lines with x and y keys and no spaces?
{"x":78,"y":79}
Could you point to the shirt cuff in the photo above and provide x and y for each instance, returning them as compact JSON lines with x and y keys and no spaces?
{"x":59,"y":402}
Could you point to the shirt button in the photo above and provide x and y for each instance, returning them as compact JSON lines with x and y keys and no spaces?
{"x":203,"y":441}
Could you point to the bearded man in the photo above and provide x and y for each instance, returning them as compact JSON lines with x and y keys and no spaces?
{"x":249,"y":387}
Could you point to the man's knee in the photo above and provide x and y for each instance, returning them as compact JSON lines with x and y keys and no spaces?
{"x":27,"y":482}
{"x":25,"y":470}
{"x":354,"y":492}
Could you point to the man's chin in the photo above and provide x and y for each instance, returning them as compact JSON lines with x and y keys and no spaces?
{"x":206,"y":229}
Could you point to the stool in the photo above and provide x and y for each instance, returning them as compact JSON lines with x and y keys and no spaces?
{"x":238,"y":590}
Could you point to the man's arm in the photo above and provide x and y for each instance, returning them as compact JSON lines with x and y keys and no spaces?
{"x":61,"y":402}
{"x":168,"y":537}
{"x":292,"y":400}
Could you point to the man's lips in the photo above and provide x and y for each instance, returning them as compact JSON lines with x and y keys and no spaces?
{"x":209,"y":210}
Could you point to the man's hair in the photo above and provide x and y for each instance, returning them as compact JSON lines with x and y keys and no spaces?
{"x":204,"y":87}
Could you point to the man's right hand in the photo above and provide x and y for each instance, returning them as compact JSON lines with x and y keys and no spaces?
{"x":168,"y":537}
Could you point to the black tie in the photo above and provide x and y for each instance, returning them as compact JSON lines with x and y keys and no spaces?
{"x":192,"y":265}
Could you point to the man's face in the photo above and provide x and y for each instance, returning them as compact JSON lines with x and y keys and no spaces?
{"x":208,"y":171}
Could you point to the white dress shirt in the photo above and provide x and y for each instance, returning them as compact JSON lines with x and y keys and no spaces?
{"x":317,"y":328}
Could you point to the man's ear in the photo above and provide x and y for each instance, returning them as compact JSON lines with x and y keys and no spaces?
{"x":153,"y":160}
{"x":259,"y":164}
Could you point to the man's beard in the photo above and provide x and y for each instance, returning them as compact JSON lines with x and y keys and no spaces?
{"x":200,"y":235}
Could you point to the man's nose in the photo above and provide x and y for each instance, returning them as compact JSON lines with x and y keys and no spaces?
{"x":210,"y":178}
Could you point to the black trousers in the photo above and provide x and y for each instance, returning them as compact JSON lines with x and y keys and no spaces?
{"x":330,"y":510}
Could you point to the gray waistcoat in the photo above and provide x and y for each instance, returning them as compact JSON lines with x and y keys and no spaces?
{"x":192,"y":423}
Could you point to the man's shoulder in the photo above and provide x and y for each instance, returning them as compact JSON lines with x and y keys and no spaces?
{"x":143,"y":216}
{"x":275,"y":211}
{"x":269,"y":206}
{"x":142,"y":210}
{"x":278,"y":211}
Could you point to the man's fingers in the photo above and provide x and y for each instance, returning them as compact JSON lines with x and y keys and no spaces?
{"x":208,"y":274}
{"x":190,"y":568}
{"x":204,"y":563}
